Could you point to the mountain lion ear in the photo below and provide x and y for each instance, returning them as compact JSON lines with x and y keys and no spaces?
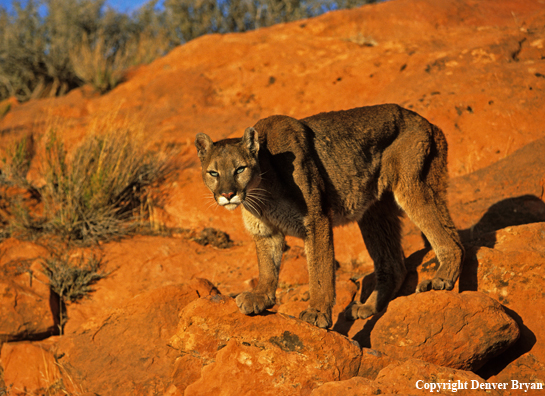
{"x":203,"y":144}
{"x":250,"y":140}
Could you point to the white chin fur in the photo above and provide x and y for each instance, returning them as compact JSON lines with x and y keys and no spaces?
{"x":229,"y":204}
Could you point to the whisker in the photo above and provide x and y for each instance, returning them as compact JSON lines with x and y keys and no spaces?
{"x":212,"y":204}
{"x":260,"y":189}
{"x":250,"y":206}
{"x":259,"y":192}
{"x":256,"y":200}
{"x":256,"y":194}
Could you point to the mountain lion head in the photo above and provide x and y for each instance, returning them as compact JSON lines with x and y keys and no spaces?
{"x":230,"y":169}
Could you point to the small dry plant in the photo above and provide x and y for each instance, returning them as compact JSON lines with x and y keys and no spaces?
{"x":72,"y":278}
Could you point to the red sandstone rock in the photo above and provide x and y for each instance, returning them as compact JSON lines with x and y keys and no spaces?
{"x":372,"y":362}
{"x":26,"y":303}
{"x":266,"y":354}
{"x":125,"y":352}
{"x":474,"y":69}
{"x":461,"y":331}
{"x":31,"y":369}
{"x":144,"y":263}
{"x":507,"y":266}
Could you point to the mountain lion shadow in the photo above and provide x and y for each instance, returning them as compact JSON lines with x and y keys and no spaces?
{"x":514,"y":211}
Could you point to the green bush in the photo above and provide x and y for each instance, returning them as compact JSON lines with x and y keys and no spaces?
{"x":75,"y":42}
{"x":47,"y":54}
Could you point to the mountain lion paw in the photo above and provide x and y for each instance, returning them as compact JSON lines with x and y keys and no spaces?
{"x":253,"y":303}
{"x":316,"y":318}
{"x":435,"y":284}
{"x":357,"y":310}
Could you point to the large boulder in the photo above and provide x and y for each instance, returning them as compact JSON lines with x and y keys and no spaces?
{"x":507,"y":265}
{"x":461,"y":331}
{"x":269,"y":354}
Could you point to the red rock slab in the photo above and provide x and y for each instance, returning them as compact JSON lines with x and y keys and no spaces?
{"x":125,"y":352}
{"x":268,"y":354}
{"x":461,"y":331}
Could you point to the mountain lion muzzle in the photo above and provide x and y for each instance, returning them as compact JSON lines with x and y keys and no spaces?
{"x":304,"y":177}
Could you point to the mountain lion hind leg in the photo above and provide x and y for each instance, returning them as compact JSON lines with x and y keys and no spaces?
{"x":418,"y":159}
{"x":422,"y":195}
{"x":381,"y":230}
{"x":434,"y":221}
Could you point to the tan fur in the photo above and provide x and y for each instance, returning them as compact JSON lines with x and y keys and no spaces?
{"x":303,"y":177}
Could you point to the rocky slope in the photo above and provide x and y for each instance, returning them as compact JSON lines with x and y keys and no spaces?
{"x":163,"y":323}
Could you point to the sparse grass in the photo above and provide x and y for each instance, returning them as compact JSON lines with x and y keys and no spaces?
{"x":105,"y":188}
{"x":362,"y":40}
{"x":14,"y":215}
{"x":72,"y":277}
{"x":17,"y":161}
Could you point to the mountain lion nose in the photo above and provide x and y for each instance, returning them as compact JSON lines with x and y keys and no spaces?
{"x":228,"y":195}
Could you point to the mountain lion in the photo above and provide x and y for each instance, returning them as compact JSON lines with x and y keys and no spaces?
{"x":304,"y":177}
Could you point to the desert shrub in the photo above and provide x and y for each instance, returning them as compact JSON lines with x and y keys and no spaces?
{"x":103,"y":72}
{"x":105,"y":189}
{"x":102,"y":55}
{"x":72,"y":278}
{"x":16,"y":162}
{"x":188,"y":19}
{"x":75,"y":42}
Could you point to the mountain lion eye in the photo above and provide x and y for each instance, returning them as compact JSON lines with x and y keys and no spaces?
{"x":240,"y":170}
{"x":213,"y":174}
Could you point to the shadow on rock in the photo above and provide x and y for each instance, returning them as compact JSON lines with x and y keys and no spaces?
{"x":523,"y":345}
{"x":422,"y":264}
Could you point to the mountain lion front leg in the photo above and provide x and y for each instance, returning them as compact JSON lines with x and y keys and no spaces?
{"x":321,"y":268}
{"x":269,"y":255}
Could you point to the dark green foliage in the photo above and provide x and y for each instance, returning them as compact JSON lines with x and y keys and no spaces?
{"x":48,"y":47}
